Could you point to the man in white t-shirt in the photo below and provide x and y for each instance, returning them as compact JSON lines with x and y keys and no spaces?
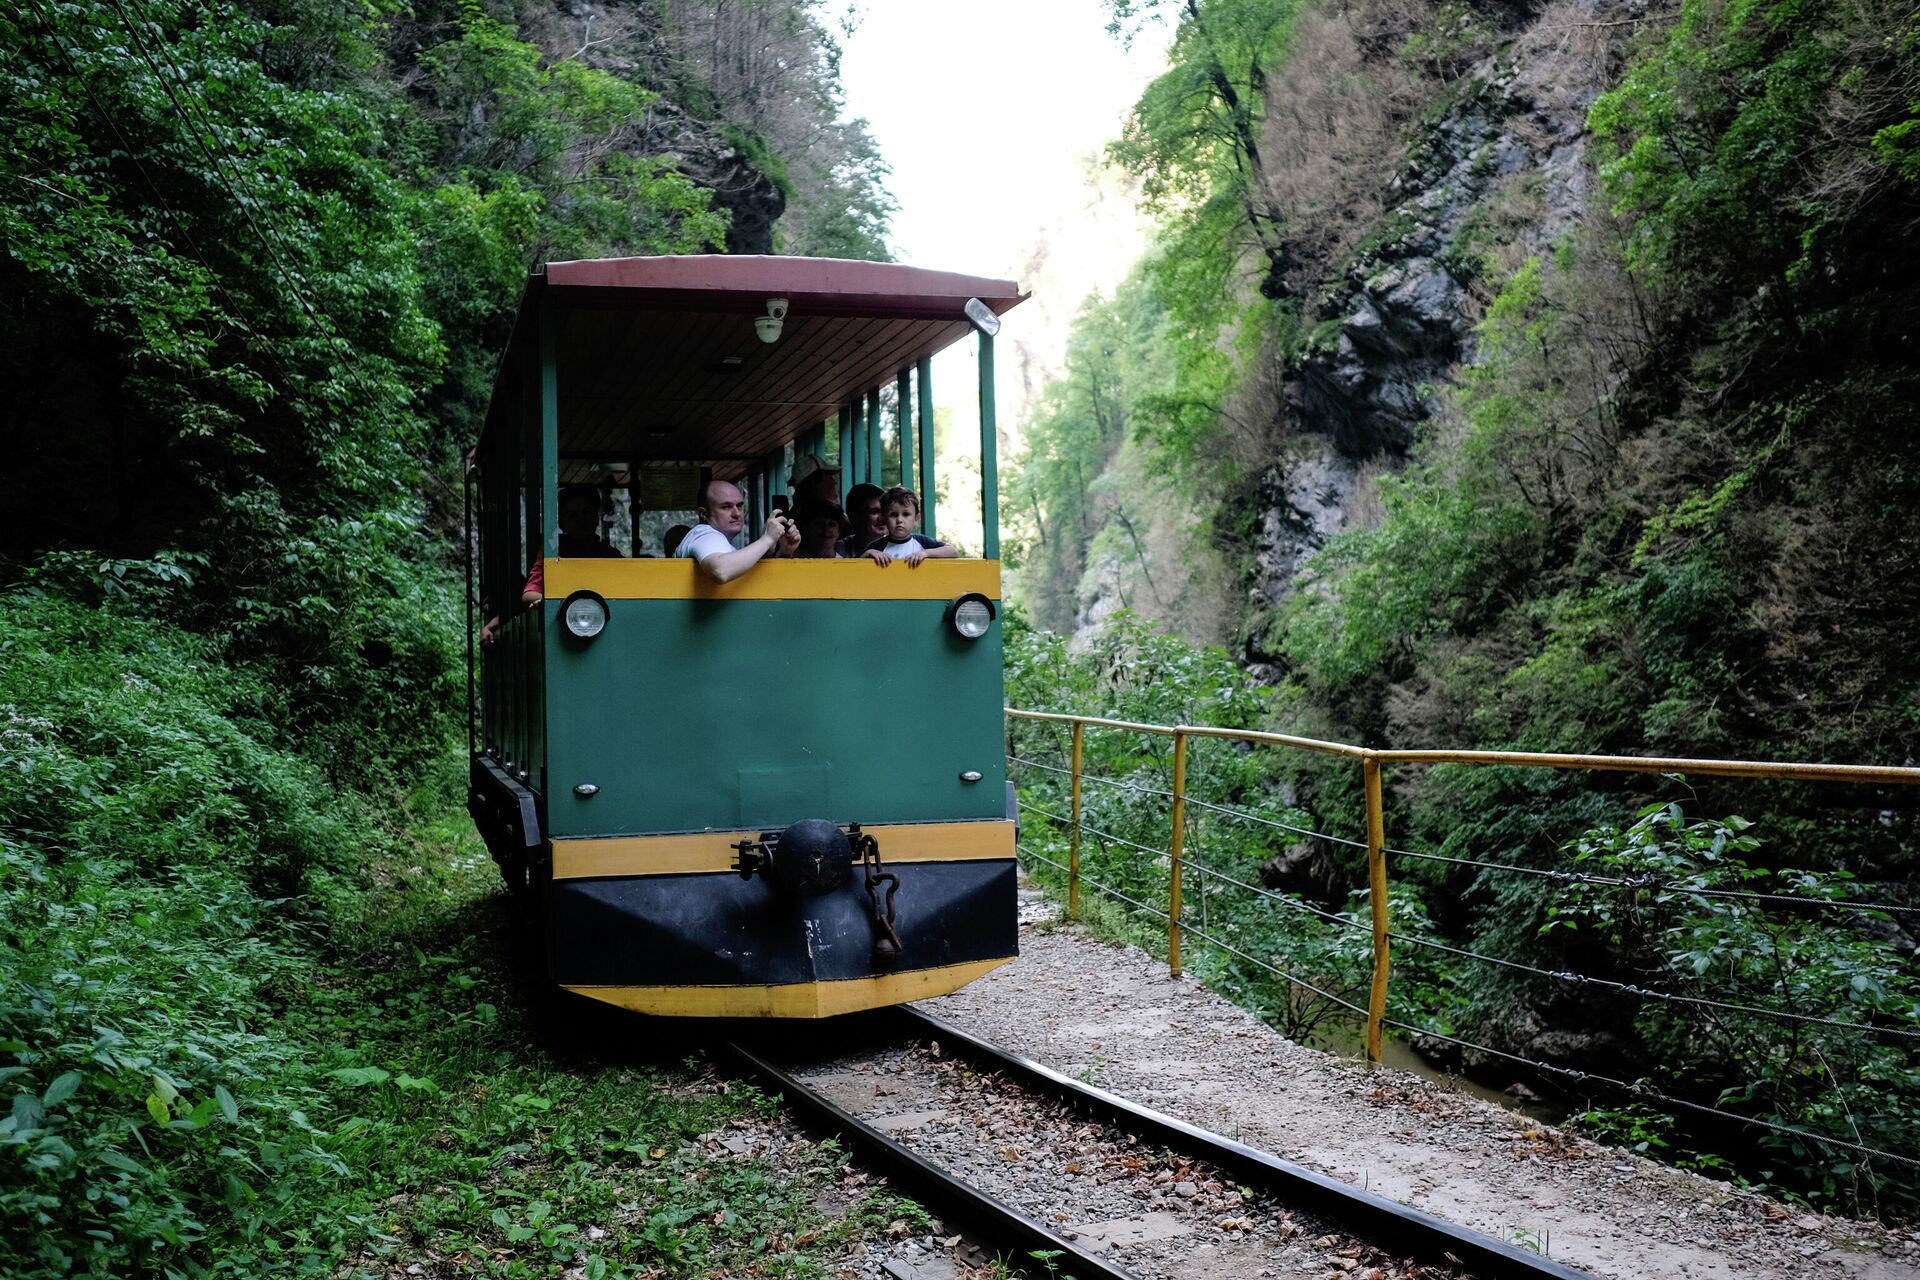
{"x":723,"y":513}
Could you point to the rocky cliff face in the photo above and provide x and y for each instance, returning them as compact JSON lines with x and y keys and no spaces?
{"x":1503,"y":162}
{"x":753,"y":200}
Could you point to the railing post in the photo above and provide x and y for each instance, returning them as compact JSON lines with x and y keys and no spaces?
{"x":1176,"y":849}
{"x":1073,"y":834}
{"x":1377,"y":897}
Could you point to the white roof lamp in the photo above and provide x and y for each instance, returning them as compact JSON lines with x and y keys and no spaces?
{"x":982,"y":316}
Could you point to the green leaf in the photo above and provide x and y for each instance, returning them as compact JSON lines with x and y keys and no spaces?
{"x":115,"y":1160}
{"x":228,"y":1107}
{"x":158,"y":1109}
{"x":360,"y":1077}
{"x":62,"y":1089}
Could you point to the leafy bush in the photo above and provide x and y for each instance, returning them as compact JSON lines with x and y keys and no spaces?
{"x":249,"y":1025}
{"x":1238,"y":820}
{"x":151,"y":852}
{"x":1678,"y":927}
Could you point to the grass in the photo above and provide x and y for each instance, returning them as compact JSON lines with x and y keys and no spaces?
{"x":254,"y":1024}
{"x":500,"y":1132}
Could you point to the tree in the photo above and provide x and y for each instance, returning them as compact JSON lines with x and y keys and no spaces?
{"x":1194,"y":138}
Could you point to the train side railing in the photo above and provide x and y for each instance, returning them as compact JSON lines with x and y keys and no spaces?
{"x":1372,"y":764}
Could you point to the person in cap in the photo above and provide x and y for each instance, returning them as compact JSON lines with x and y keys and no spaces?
{"x":815,"y":481}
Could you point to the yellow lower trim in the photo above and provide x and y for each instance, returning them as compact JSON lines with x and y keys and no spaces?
{"x":793,"y":1000}
{"x":619,"y":579}
{"x":713,"y":850}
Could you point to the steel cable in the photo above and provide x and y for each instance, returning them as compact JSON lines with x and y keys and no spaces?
{"x":1096,"y":831}
{"x":1092,"y":777}
{"x":1274,"y":969}
{"x":1333,"y":917}
{"x":1628,"y":988}
{"x":1564,"y":877}
{"x":1560,"y":975}
{"x":1651,"y":882}
{"x":1088,"y":880}
{"x":1640,"y":1090}
{"x":1202,"y":934}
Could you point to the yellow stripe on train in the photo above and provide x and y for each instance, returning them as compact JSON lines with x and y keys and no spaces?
{"x":793,"y":1000}
{"x":604,"y":856}
{"x":620,"y":579}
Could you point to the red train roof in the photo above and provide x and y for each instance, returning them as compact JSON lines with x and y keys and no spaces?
{"x":657,"y":358}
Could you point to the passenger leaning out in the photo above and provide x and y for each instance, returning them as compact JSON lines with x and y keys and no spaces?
{"x":723,"y":514}
{"x":900,"y":542}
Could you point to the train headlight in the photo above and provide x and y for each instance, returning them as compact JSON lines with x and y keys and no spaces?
{"x":584,"y":614}
{"x":970,"y":615}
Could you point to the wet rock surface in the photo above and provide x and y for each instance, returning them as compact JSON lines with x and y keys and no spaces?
{"x":1112,"y":1015}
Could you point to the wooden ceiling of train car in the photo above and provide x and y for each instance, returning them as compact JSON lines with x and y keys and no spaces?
{"x":658,"y":358}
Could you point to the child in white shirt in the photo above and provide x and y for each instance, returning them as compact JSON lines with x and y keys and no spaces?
{"x":901,"y":510}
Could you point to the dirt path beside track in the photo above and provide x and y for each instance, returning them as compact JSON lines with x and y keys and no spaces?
{"x":1112,"y":1015}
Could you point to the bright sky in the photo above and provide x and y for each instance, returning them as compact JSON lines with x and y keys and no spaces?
{"x":993,"y":115}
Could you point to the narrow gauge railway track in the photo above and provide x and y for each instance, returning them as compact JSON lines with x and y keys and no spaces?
{"x":1338,"y":1226}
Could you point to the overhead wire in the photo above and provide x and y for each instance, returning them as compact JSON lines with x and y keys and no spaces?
{"x":270,"y":242}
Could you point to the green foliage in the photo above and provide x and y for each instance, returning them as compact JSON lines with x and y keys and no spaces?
{"x":510,"y":121}
{"x":1735,"y":137}
{"x":1194,"y":142}
{"x":1237,"y":936}
{"x":1055,"y":505}
{"x":251,"y":1025}
{"x":1677,"y":934}
{"x":148,"y":846}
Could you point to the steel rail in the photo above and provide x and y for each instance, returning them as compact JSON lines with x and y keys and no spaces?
{"x":1391,"y":1227}
{"x":1022,"y":1241}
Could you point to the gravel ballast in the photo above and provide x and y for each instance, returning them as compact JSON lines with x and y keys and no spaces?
{"x":1160,"y":1216}
{"x":1112,"y":1015}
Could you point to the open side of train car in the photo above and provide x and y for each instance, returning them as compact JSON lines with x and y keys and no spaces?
{"x":658,"y":755}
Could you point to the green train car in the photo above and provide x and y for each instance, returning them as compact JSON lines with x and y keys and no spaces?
{"x":785,"y":795}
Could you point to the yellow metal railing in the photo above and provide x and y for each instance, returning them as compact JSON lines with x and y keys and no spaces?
{"x":1372,"y":766}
